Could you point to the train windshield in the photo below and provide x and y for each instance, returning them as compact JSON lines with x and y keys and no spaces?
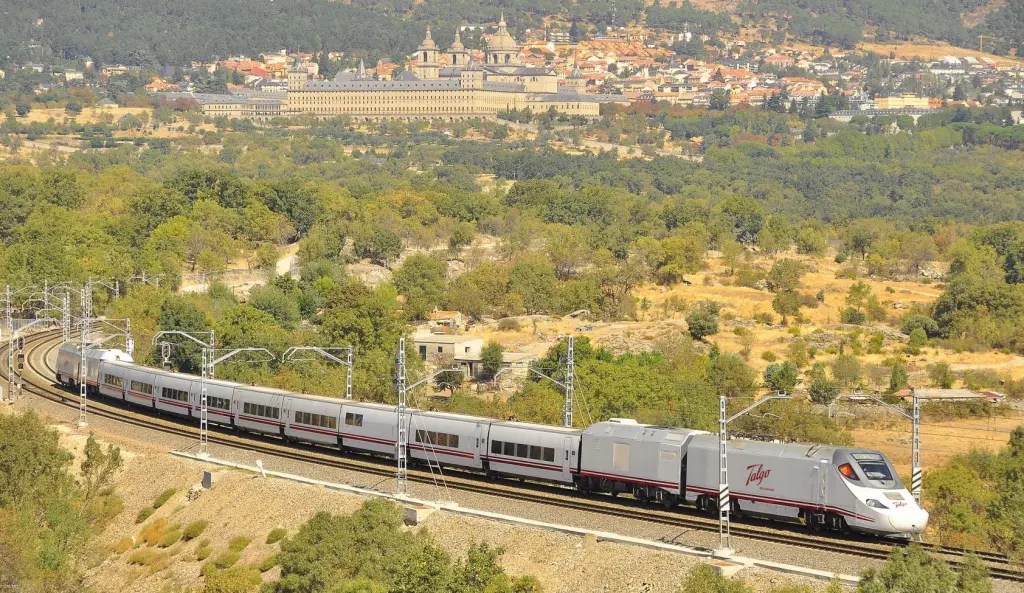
{"x":874,"y":467}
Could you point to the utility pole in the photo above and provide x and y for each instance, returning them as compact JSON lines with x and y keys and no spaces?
{"x":915,"y":462}
{"x":403,"y":436}
{"x":724,"y":499}
{"x":570,"y":386}
{"x":10,"y":345}
{"x":207,"y":364}
{"x":83,"y":371}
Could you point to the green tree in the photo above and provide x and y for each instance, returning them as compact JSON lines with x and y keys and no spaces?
{"x":786,"y":303}
{"x":181,"y":313}
{"x":898,"y":378}
{"x":532,"y":279}
{"x":918,"y":338}
{"x":702,"y":321}
{"x":823,"y":389}
{"x":781,"y":376}
{"x":420,"y":280}
{"x":785,"y":275}
{"x":941,"y":375}
{"x":98,"y":467}
{"x":847,"y":370}
{"x":492,"y":357}
{"x":379,"y":245}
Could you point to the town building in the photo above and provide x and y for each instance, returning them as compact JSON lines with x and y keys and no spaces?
{"x":457,"y":89}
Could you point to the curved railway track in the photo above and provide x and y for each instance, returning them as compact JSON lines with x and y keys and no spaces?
{"x":39,"y":381}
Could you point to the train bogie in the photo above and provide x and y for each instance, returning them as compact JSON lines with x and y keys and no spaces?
{"x":313,"y":419}
{"x":622,"y":455}
{"x":533,"y":451}
{"x":447,"y":439}
{"x":369,"y":428}
{"x":259,"y":409}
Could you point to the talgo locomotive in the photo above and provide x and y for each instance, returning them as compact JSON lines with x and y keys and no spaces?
{"x":834,"y":488}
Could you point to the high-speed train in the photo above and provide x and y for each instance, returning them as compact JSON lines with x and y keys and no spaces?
{"x":821,"y":486}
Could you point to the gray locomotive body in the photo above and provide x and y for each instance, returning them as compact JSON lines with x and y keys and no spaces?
{"x":835,"y":488}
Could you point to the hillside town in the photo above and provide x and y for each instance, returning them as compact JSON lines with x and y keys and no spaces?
{"x":549,"y":71}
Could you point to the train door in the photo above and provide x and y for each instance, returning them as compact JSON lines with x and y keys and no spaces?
{"x":481,"y":442}
{"x":570,"y":461}
{"x":819,"y":483}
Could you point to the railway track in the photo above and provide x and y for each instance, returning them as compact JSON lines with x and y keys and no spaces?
{"x":38,"y":381}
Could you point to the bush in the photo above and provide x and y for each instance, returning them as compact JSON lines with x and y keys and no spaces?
{"x":916,"y":321}
{"x":268,"y":563}
{"x":509,"y":324}
{"x":194,"y":530}
{"x":853,"y":316}
{"x":239,"y":543}
{"x":226,"y":559}
{"x":276,"y":535}
{"x":144,"y":514}
{"x":163,"y":498}
{"x":823,"y":390}
{"x":768,"y":356}
{"x":764,"y":318}
{"x":703,"y":321}
{"x":154,"y":532}
{"x":941,"y":375}
{"x":781,"y":376}
{"x":918,"y":338}
{"x":170,"y":539}
{"x":204,"y":550}
{"x":240,"y":579}
{"x":144,"y":557}
{"x":841,"y":257}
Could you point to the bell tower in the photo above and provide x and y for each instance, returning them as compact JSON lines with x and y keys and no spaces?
{"x":426,"y":53}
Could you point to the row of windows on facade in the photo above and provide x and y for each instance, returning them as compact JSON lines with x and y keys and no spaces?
{"x":438,"y":439}
{"x":316,"y":420}
{"x":524,"y":451}
{"x":261,"y":410}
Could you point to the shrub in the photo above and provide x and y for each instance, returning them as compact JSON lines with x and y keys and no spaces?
{"x":226,"y":559}
{"x":841,"y":257}
{"x":239,"y":543}
{"x":941,"y":375}
{"x":276,"y":535}
{"x":916,"y":321}
{"x":203,"y":551}
{"x":764,"y":318}
{"x":823,"y":390}
{"x":240,"y":579}
{"x":194,"y":530}
{"x":768,"y":356}
{"x":163,"y":498}
{"x":153,"y":533}
{"x":144,"y":514}
{"x":703,"y":321}
{"x":268,"y":563}
{"x":144,"y":557}
{"x":918,"y":338}
{"x":123,"y":545}
{"x":170,"y":539}
{"x":509,"y":324}
{"x":781,"y":376}
{"x":853,"y":316}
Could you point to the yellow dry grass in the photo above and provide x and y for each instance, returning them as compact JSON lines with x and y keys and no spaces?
{"x":89,"y":115}
{"x":933,"y":51}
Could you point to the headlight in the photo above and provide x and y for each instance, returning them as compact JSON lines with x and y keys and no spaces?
{"x":871,"y":502}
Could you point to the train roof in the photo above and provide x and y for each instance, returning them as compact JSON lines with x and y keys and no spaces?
{"x":536,"y":426}
{"x":319,"y":398}
{"x":631,"y":429}
{"x":780,"y":450}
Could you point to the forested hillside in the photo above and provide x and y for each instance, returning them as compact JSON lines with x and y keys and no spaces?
{"x":153,"y":32}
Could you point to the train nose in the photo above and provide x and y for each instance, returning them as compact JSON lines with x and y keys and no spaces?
{"x":909,"y":520}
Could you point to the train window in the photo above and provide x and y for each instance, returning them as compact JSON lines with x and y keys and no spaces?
{"x":667,"y":455}
{"x":453,"y":441}
{"x":522,"y":451}
{"x":535,"y":452}
{"x":876,"y":470}
{"x":496,"y":447}
{"x":332,"y":423}
{"x":177,"y":395}
{"x":353,"y":419}
{"x":217,"y":402}
{"x":510,"y":449}
{"x":140,"y":387}
{"x":549,"y":454}
{"x":113,"y":380}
